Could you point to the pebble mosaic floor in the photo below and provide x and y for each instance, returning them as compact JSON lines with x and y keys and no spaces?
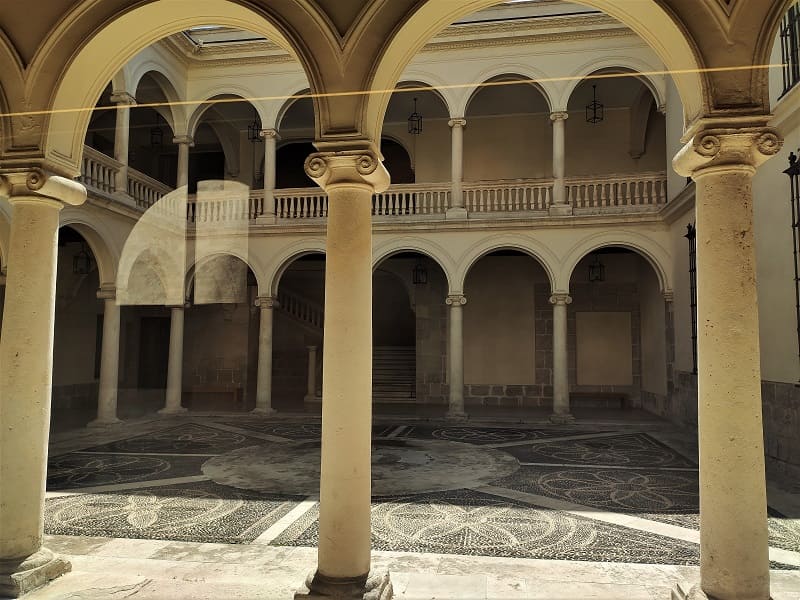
{"x":563,"y":493}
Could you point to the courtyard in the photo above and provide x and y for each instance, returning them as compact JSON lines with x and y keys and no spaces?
{"x":223,"y":505}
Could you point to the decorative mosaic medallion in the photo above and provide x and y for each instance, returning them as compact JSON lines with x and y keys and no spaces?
{"x":398,"y":467}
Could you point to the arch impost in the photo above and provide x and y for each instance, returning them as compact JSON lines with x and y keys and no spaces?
{"x":37,"y":183}
{"x":457,"y":122}
{"x":348,"y":168}
{"x":669,"y":296}
{"x":267,"y":302}
{"x":270,"y":134}
{"x":183,"y":139}
{"x":122,"y":97}
{"x":560,"y":115}
{"x":456,"y":300}
{"x":727,"y":149}
{"x":107,"y":293}
{"x":561,"y":299}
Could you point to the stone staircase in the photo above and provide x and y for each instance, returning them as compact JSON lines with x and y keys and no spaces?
{"x":394,"y":374}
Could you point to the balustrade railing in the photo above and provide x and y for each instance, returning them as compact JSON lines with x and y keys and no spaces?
{"x":412,"y":199}
{"x":301,"y":203}
{"x":523,"y":195}
{"x":648,"y":189}
{"x":302,"y":309}
{"x":99,"y":171}
{"x":145,"y":190}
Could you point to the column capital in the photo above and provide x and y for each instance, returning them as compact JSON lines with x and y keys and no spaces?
{"x":457,"y":122}
{"x":107,"y":293}
{"x":348,"y":168}
{"x":38,"y":183}
{"x":267,"y":302}
{"x":560,"y":299}
{"x":560,"y":115}
{"x":122,"y":97}
{"x":312,"y":348}
{"x":727,"y":149}
{"x":669,"y":296}
{"x":271,"y":134}
{"x":183,"y":306}
{"x":183,"y":139}
{"x":456,"y":300}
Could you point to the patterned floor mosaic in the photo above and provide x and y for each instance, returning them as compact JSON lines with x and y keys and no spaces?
{"x":158,"y":485}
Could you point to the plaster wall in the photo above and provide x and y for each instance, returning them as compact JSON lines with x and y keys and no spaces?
{"x":654,"y":340}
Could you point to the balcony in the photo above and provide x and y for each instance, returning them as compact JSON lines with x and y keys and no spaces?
{"x":518,"y":198}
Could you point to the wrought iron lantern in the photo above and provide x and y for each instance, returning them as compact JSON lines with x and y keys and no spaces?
{"x":597,"y":270}
{"x":420,"y":274}
{"x":156,"y":133}
{"x":254,"y":129}
{"x":82,"y":261}
{"x":415,"y":121}
{"x":595,"y":111}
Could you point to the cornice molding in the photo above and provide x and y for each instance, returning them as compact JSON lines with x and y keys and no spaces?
{"x":529,"y":39}
{"x":531,"y":24}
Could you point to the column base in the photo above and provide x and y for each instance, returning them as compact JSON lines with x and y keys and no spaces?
{"x":456,"y":213}
{"x":456,"y":415}
{"x":682,"y":591}
{"x":560,"y":210}
{"x":173,"y":411}
{"x":375,"y":586}
{"x":562,"y":419}
{"x":20,"y":576}
{"x":99,"y":423}
{"x":263,"y":411}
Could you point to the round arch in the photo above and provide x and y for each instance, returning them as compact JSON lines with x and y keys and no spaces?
{"x":207,"y":257}
{"x":411,"y":86}
{"x":417,"y":77}
{"x":117,"y":43}
{"x":287,"y":105}
{"x":426,"y":248}
{"x":172,"y":113}
{"x":499,"y":73}
{"x":210,"y":101}
{"x":647,"y":19}
{"x":655,"y":254}
{"x":613,"y":67}
{"x":539,"y":252}
{"x":285,"y":259}
{"x":98,"y":238}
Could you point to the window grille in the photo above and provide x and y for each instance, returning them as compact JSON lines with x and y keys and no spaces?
{"x":691,"y":235}
{"x":790,"y":47}
{"x":794,"y":177}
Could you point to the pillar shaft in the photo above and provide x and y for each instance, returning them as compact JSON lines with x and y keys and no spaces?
{"x":733,"y":506}
{"x":264,"y":381}
{"x":559,"y":205}
{"x":175,"y":364}
{"x":561,"y":410}
{"x":350,"y":177}
{"x":26,"y":374}
{"x":457,"y":165}
{"x":109,"y":361}
{"x":123,"y":101}
{"x":455,"y":372}
{"x":184,"y":144}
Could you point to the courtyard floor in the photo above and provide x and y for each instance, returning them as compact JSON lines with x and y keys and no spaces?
{"x":213,"y":505}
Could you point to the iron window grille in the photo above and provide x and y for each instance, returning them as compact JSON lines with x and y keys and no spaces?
{"x":691,"y":235}
{"x":790,"y":48}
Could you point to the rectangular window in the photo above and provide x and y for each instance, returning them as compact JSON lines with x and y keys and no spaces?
{"x":790,"y":48}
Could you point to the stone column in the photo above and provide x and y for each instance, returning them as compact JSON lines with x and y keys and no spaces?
{"x":270,"y":139}
{"x":734,"y":560}
{"x":109,"y":361}
{"x":561,"y":413}
{"x":311,"y":388}
{"x":455,"y":354}
{"x":264,"y":382}
{"x":350,"y":177}
{"x":559,"y":206}
{"x":184,"y":143}
{"x":124,"y":101}
{"x":457,"y":210}
{"x":175,"y":365}
{"x":26,"y":375}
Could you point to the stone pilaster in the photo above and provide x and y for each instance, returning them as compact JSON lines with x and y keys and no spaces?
{"x":350,"y":177}
{"x":26,"y":355}
{"x":456,"y":209}
{"x":455,"y":354}
{"x":733,"y":508}
{"x":561,"y":410}
{"x":267,"y":304}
